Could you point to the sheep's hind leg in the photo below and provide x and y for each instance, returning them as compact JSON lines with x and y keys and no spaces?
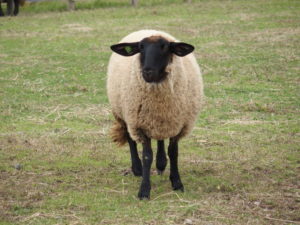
{"x":174,"y":174}
{"x":136,"y":164}
{"x":10,"y":5}
{"x":161,"y":159}
{"x":144,"y":192}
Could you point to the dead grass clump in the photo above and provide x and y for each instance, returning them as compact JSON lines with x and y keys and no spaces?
{"x":76,"y":27}
{"x":243,"y":122}
{"x":274,"y":35}
{"x":258,"y":107}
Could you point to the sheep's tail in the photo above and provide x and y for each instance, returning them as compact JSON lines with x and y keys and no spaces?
{"x":119,"y":133}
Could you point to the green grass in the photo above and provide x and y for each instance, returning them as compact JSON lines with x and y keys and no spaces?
{"x":239,"y":166}
{"x":57,"y":5}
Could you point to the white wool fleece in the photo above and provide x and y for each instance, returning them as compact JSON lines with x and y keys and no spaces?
{"x":160,"y":110}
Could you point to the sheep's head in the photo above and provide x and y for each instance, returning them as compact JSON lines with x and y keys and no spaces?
{"x":155,"y":54}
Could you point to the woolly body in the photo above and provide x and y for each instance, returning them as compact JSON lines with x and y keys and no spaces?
{"x":158,"y":110}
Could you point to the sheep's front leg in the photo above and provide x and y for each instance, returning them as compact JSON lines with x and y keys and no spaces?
{"x":161,"y":159}
{"x":136,"y":164}
{"x":147,"y":161}
{"x":174,"y":174}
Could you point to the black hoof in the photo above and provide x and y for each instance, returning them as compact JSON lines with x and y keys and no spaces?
{"x":160,"y":172}
{"x":176,"y":184}
{"x":161,"y":166}
{"x":144,"y":192}
{"x":144,"y":195}
{"x":178,"y":187}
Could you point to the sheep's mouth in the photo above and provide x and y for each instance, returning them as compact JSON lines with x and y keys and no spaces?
{"x":154,"y":77}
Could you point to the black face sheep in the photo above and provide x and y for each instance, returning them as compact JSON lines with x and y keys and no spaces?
{"x":155,"y":90}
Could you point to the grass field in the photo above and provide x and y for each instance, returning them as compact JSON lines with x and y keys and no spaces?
{"x":241,"y":165}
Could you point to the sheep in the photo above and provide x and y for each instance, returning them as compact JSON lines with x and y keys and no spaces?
{"x":12,"y":7}
{"x":155,"y":90}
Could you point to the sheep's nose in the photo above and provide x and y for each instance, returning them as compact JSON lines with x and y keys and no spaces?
{"x":149,"y":74}
{"x":148,"y":71}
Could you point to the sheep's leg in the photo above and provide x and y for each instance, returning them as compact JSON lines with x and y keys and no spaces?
{"x":16,"y":9}
{"x":161,"y":159}
{"x":10,"y":7}
{"x":174,"y":174}
{"x":1,"y":11}
{"x":147,"y":161}
{"x":136,"y":164}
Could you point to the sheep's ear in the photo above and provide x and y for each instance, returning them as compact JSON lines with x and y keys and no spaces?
{"x":126,"y":49}
{"x":181,"y":49}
